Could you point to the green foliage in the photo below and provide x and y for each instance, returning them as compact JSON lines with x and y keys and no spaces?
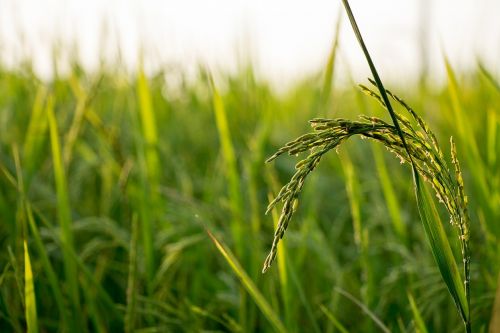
{"x":119,"y":214}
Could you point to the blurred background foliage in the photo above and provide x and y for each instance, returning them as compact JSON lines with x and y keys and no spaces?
{"x":113,"y":179}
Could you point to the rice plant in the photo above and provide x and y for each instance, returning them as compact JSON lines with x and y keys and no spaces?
{"x":415,"y":144}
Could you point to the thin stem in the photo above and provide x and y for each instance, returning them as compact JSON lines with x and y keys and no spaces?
{"x":376,"y":77}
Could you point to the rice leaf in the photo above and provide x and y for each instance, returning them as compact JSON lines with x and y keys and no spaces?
{"x":495,"y":314}
{"x":87,"y":273}
{"x":417,"y":317}
{"x":148,"y":125}
{"x":487,"y":74}
{"x":361,"y":234}
{"x":227,"y":148}
{"x":336,"y":323}
{"x":441,"y":249}
{"x":149,"y":161}
{"x":365,"y":309}
{"x":48,"y":268}
{"x":130,"y":312}
{"x":391,"y":199}
{"x":248,"y":284}
{"x":29,"y":294}
{"x":36,"y":135}
{"x":63,"y":207}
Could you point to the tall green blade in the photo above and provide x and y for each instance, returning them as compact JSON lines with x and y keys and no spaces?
{"x":391,"y":199}
{"x":63,"y":209}
{"x":226,"y":145}
{"x":148,"y":125}
{"x":48,"y":268}
{"x":130,"y":312}
{"x":149,"y":161}
{"x":336,"y":323}
{"x":249,"y":285}
{"x":441,"y":250}
{"x":35,"y":137}
{"x":361,"y":235}
{"x":29,"y":293}
{"x":417,"y":317}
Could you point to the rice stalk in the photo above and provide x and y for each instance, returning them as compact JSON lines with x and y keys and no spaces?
{"x":419,"y":148}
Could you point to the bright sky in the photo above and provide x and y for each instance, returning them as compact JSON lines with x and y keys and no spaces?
{"x":284,"y":38}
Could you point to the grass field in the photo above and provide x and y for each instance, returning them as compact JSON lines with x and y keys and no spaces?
{"x":136,"y":203}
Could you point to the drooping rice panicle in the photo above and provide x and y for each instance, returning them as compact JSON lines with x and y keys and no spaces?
{"x":421,"y":149}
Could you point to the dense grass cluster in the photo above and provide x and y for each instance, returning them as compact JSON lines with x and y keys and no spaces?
{"x":119,"y":193}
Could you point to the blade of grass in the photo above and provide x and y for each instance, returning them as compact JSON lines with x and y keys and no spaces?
{"x":132,"y":280}
{"x":83,"y":101}
{"x":248,"y":284}
{"x":491,"y":138}
{"x":18,"y":277}
{"x":149,"y":163}
{"x":287,"y":272}
{"x":63,"y":208}
{"x":92,"y":281}
{"x":229,"y":155}
{"x":228,"y":325}
{"x":302,"y":296}
{"x":360,"y":233}
{"x":333,"y":319}
{"x":442,"y":251}
{"x":495,"y":313}
{"x":459,"y":115}
{"x":35,"y":136}
{"x":29,"y":293}
{"x":49,"y":270}
{"x":488,"y":76}
{"x":96,"y":316}
{"x":47,"y":266}
{"x":390,"y":196}
{"x":417,"y":317}
{"x":235,"y":200}
{"x":148,"y":122}
{"x":364,"y":308}
{"x":472,"y":154}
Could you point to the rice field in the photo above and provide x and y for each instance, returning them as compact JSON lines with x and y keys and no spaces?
{"x":133,"y":202}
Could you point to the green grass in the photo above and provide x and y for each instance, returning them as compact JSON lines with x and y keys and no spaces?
{"x":112,"y":179}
